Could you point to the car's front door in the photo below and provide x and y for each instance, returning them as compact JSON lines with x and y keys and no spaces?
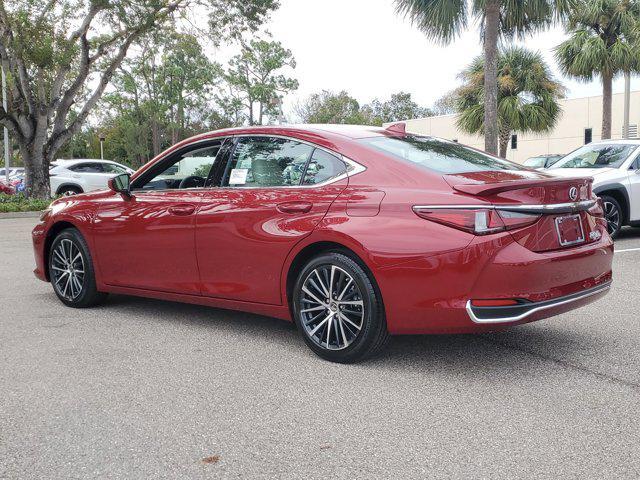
{"x":147,"y":240}
{"x":634,"y":187}
{"x":273,"y":193}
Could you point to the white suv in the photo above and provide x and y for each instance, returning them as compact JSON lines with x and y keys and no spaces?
{"x":615,"y":168}
{"x":70,"y":177}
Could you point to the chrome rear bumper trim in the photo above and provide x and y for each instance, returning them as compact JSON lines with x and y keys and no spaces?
{"x":537,"y":307}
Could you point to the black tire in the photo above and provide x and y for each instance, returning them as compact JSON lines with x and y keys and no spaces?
{"x":72,"y":288}
{"x":613,"y":215}
{"x":349,"y":344}
{"x":69,"y":190}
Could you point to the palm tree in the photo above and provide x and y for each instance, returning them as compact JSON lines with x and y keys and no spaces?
{"x":603,"y":42}
{"x":527,"y":95}
{"x":444,"y":20}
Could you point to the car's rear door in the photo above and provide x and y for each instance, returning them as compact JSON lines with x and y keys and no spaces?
{"x":147,"y":241}
{"x":273,"y":192}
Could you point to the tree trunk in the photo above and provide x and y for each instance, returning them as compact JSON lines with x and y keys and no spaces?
{"x":36,"y":171}
{"x":607,"y":94}
{"x":505,"y":136}
{"x":491,"y":32}
{"x":155,"y":137}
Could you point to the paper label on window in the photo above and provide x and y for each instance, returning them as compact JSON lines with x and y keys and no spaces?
{"x":238,"y":176}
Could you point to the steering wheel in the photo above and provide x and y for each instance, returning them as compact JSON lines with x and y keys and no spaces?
{"x":193,"y":181}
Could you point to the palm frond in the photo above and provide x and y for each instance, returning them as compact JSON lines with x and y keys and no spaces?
{"x":440,"y":20}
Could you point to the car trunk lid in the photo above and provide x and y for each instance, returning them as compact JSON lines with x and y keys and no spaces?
{"x":561,"y":203}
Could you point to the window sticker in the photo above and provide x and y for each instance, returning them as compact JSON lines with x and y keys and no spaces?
{"x":238,"y":176}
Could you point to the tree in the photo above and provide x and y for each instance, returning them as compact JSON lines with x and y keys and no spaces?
{"x":603,"y":42}
{"x":60,"y":55}
{"x":527,"y":95}
{"x":330,"y":107}
{"x":161,"y":93}
{"x":254,"y":80}
{"x":446,"y":105}
{"x":399,"y":107}
{"x":444,"y":20}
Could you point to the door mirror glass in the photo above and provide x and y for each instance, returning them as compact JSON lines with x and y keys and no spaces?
{"x":121,"y":184}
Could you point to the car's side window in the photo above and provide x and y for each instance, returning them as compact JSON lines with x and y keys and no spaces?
{"x":87,"y":168}
{"x":267,"y":162}
{"x":323,"y":167}
{"x":111,"y":168}
{"x":189,"y":169}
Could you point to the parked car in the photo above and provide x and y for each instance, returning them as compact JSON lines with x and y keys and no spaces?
{"x":71,"y":177}
{"x":13,"y":172}
{"x":615,"y":168}
{"x":541,"y":161}
{"x":353,"y":233}
{"x":6,"y":189}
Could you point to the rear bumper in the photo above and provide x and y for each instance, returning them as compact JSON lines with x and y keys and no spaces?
{"x":431,"y":295}
{"x":517,"y":313}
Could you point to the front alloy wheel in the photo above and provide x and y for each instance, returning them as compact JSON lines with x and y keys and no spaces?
{"x":338,"y":310}
{"x":67,"y":270}
{"x":71,"y":270}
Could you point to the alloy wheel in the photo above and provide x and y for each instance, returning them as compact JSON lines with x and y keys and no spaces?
{"x":612,"y":215}
{"x":67,"y":269}
{"x":332,"y":309}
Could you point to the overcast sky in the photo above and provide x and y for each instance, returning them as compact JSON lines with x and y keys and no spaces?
{"x":363,"y":47}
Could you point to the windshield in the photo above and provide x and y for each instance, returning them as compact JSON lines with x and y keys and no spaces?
{"x":535,"y":162}
{"x":597,"y":156}
{"x":439,"y":155}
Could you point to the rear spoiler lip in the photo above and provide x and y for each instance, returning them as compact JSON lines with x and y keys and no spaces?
{"x":519,"y":208}
{"x":486,"y":189}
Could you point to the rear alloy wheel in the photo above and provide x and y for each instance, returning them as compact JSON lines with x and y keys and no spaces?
{"x":338,"y":310}
{"x":69,"y":191}
{"x":71,"y":270}
{"x":613,"y":215}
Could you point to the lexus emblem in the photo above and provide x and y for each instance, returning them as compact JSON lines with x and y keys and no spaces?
{"x":573,"y":193}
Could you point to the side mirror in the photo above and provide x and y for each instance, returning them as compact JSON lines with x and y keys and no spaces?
{"x":121,"y":184}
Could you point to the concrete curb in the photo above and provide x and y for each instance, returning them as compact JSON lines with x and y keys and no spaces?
{"x":9,"y":215}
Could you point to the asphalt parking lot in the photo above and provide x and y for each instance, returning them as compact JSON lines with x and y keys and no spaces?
{"x":148,"y":389}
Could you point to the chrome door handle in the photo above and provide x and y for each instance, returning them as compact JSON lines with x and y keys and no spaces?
{"x":294,"y":207}
{"x":182,"y":210}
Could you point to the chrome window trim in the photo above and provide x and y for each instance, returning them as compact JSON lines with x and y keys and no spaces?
{"x":524,"y":315}
{"x":548,"y":208}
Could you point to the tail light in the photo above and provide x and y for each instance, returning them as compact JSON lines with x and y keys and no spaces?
{"x":598,"y":209}
{"x":479,"y":221}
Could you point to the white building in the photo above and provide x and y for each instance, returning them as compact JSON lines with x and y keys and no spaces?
{"x":580,"y":123}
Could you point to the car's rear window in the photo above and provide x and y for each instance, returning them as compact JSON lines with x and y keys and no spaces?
{"x":439,"y":155}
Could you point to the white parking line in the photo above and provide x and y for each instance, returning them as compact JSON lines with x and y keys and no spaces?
{"x":627,"y":250}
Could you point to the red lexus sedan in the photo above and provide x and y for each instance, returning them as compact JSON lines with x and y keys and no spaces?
{"x":353,"y":233}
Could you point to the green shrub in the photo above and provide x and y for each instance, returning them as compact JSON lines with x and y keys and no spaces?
{"x":20,"y":203}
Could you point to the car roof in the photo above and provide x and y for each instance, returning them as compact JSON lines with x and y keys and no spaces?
{"x":622,"y":141}
{"x":349,"y":131}
{"x":74,"y":161}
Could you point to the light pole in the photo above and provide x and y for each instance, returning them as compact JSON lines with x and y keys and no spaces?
{"x":7,"y":161}
{"x":627,"y":104}
{"x":102,"y":138}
